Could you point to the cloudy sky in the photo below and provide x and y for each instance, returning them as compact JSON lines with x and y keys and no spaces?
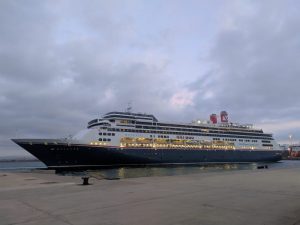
{"x":63,"y":63}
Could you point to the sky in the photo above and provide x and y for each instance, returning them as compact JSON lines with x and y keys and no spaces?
{"x":63,"y":63}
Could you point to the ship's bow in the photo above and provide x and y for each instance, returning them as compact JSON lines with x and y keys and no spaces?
{"x":40,"y":148}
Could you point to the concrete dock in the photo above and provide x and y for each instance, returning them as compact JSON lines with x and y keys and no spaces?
{"x":269,"y":196}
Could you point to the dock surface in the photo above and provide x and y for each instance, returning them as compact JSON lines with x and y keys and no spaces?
{"x":269,"y":196}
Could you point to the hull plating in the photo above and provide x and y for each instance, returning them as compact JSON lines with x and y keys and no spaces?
{"x":63,"y":155}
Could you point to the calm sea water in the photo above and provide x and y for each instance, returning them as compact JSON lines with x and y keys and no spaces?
{"x":21,"y":165}
{"x":130,"y":172}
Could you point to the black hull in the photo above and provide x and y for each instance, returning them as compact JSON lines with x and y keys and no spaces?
{"x":60,"y":155}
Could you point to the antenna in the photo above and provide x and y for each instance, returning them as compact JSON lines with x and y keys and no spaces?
{"x":129,"y":107}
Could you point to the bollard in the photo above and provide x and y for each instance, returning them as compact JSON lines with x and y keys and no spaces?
{"x":262,"y":167}
{"x":85,"y":180}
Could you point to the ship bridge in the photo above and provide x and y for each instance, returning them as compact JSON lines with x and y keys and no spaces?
{"x":121,"y":116}
{"x":130,"y":116}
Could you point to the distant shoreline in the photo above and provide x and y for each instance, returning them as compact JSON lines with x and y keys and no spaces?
{"x":19,"y":160}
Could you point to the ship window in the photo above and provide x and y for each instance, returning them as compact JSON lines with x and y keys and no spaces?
{"x":100,"y":139}
{"x":100,"y":133}
{"x":104,"y":139}
{"x":108,"y":134}
{"x":270,"y":145}
{"x":113,"y":134}
{"x":108,"y":139}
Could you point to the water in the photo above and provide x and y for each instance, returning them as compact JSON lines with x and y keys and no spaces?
{"x":131,"y":172}
{"x":21,"y":165}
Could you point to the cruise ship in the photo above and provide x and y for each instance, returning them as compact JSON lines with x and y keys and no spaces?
{"x":128,"y":139}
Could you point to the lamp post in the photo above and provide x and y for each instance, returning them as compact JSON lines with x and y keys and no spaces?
{"x":290,"y":137}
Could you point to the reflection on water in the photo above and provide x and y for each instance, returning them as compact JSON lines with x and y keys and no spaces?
{"x":147,"y":171}
{"x":129,"y":172}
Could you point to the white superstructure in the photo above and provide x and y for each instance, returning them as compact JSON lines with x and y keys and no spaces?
{"x":125,"y":129}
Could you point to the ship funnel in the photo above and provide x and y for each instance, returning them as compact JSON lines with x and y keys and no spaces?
{"x":224,"y":117}
{"x":213,"y":118}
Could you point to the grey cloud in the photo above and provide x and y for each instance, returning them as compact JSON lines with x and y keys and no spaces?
{"x":64,"y":63}
{"x":255,"y":65}
{"x":53,"y":81}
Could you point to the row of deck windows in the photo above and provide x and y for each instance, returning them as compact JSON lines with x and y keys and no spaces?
{"x":183,"y":137}
{"x":161,"y":136}
{"x":104,"y":139}
{"x":183,"y":133}
{"x":108,"y":134}
{"x":210,"y":130}
{"x":240,"y":140}
{"x":251,"y":141}
{"x":176,"y":126}
{"x":188,"y":147}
